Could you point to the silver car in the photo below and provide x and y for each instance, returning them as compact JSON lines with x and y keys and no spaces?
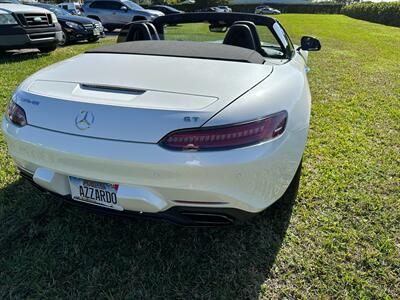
{"x":266,"y":10}
{"x":116,"y":13}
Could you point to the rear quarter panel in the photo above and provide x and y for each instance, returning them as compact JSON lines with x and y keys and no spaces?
{"x":285,"y":89}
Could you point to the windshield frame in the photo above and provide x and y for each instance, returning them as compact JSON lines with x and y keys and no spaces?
{"x":227,"y":19}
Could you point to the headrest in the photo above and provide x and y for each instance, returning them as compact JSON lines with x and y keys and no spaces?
{"x":254,"y":32}
{"x":240,"y":35}
{"x":153,"y":31}
{"x":142,"y":31}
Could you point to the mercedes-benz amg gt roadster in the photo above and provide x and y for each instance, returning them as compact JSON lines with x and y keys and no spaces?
{"x":196,"y":118}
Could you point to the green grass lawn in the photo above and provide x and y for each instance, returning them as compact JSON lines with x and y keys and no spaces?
{"x":340,"y":239}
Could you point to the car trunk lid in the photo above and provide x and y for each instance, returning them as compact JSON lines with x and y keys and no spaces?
{"x":133,"y":98}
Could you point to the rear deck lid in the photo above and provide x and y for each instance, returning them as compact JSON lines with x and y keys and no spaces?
{"x":135,"y":98}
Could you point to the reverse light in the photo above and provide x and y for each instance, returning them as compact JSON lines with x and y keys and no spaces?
{"x":16,"y":114}
{"x":227,"y":137}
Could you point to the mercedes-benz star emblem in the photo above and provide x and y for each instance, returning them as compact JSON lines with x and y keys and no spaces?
{"x":84,"y":120}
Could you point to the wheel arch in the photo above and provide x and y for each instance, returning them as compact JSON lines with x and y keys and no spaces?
{"x":138,"y":18}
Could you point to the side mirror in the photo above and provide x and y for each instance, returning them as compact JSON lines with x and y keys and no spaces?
{"x":124,"y":8}
{"x":310,"y":43}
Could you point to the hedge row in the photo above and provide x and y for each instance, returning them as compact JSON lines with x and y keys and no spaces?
{"x":284,"y":8}
{"x":387,"y":13}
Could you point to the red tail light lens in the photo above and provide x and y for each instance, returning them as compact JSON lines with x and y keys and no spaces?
{"x":16,"y":114}
{"x":227,"y":137}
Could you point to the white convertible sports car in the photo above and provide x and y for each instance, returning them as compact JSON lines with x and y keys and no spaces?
{"x":204,"y":123}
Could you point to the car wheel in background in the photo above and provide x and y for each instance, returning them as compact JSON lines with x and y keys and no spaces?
{"x":47,"y":49}
{"x":64,"y":40}
{"x":92,"y":40}
{"x":109,"y":28}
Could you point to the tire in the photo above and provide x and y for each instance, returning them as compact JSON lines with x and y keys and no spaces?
{"x":110,"y":28}
{"x":47,"y":49}
{"x":65,"y":40}
{"x":93,"y":40}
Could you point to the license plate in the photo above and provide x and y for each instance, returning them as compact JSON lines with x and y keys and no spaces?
{"x":93,"y":192}
{"x":96,"y":31}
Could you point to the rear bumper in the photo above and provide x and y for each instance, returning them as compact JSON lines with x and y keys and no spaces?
{"x":153,"y":179}
{"x":17,"y":37}
{"x":181,"y":215}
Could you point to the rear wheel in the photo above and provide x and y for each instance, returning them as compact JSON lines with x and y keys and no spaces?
{"x":47,"y":49}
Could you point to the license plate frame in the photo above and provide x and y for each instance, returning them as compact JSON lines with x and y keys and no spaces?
{"x":95,"y":192}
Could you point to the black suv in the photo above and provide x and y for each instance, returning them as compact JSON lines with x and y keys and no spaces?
{"x":75,"y":28}
{"x":23,"y":26}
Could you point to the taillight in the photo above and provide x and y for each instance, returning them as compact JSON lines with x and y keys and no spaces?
{"x":16,"y":114}
{"x":227,"y":137}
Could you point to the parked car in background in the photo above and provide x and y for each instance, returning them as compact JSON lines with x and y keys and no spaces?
{"x":266,"y":10}
{"x":225,"y":8}
{"x":75,"y":28}
{"x":74,"y":8}
{"x":165,"y":9}
{"x":23,"y":26}
{"x":116,"y":13}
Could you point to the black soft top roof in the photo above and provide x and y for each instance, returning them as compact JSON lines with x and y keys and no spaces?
{"x":226,"y":19}
{"x":200,"y":50}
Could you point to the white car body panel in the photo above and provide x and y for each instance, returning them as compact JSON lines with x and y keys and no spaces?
{"x":231,"y":177}
{"x":250,"y":178}
{"x":170,"y":94}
